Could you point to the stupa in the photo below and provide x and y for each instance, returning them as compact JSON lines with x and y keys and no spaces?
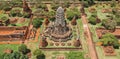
{"x":59,"y":30}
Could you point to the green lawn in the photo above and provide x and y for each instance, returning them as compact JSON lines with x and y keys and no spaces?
{"x":8,"y":46}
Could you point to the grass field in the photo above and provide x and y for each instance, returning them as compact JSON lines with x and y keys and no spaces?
{"x":8,"y":46}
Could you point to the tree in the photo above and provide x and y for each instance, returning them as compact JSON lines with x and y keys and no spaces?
{"x":23,"y":57}
{"x":71,"y":13}
{"x":7,"y":56}
{"x":55,"y":6}
{"x":88,"y":3}
{"x":3,"y":17}
{"x":23,"y":48}
{"x":42,"y":56}
{"x":15,"y":12}
{"x":26,"y":15}
{"x":66,"y":4}
{"x":109,"y":39}
{"x":50,"y":13}
{"x":37,"y":22}
{"x":92,"y":19}
{"x":5,"y":6}
{"x":17,"y":3}
{"x":109,"y":23}
{"x":117,"y":15}
{"x":16,"y":55}
{"x":39,"y":54}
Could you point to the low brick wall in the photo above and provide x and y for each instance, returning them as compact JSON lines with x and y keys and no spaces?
{"x":101,"y":31}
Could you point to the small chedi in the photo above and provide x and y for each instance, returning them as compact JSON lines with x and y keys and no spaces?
{"x":59,"y":30}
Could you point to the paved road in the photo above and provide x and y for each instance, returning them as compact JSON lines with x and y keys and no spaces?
{"x":92,"y":50}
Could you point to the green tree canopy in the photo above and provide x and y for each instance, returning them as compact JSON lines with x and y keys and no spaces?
{"x":109,"y":23}
{"x":92,"y":19}
{"x":72,"y":12}
{"x":22,"y":48}
{"x":37,"y":22}
{"x":39,"y":54}
{"x":109,"y":39}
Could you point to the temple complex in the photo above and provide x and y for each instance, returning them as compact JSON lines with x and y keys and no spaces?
{"x":59,"y":30}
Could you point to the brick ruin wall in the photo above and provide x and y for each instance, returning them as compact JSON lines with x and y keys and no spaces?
{"x":16,"y":33}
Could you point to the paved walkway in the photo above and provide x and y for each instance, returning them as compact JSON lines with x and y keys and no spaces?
{"x":91,"y":46}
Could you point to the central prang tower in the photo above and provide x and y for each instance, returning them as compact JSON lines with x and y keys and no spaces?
{"x":60,"y":17}
{"x":59,"y":29}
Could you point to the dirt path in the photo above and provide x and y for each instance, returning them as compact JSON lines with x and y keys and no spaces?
{"x":91,"y":46}
{"x":48,"y":6}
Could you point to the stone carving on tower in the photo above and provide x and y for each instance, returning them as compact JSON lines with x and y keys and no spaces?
{"x":59,"y":29}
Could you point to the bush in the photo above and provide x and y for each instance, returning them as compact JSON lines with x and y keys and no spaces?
{"x":37,"y":22}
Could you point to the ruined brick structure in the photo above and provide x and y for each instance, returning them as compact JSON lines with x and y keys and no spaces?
{"x":59,"y":29}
